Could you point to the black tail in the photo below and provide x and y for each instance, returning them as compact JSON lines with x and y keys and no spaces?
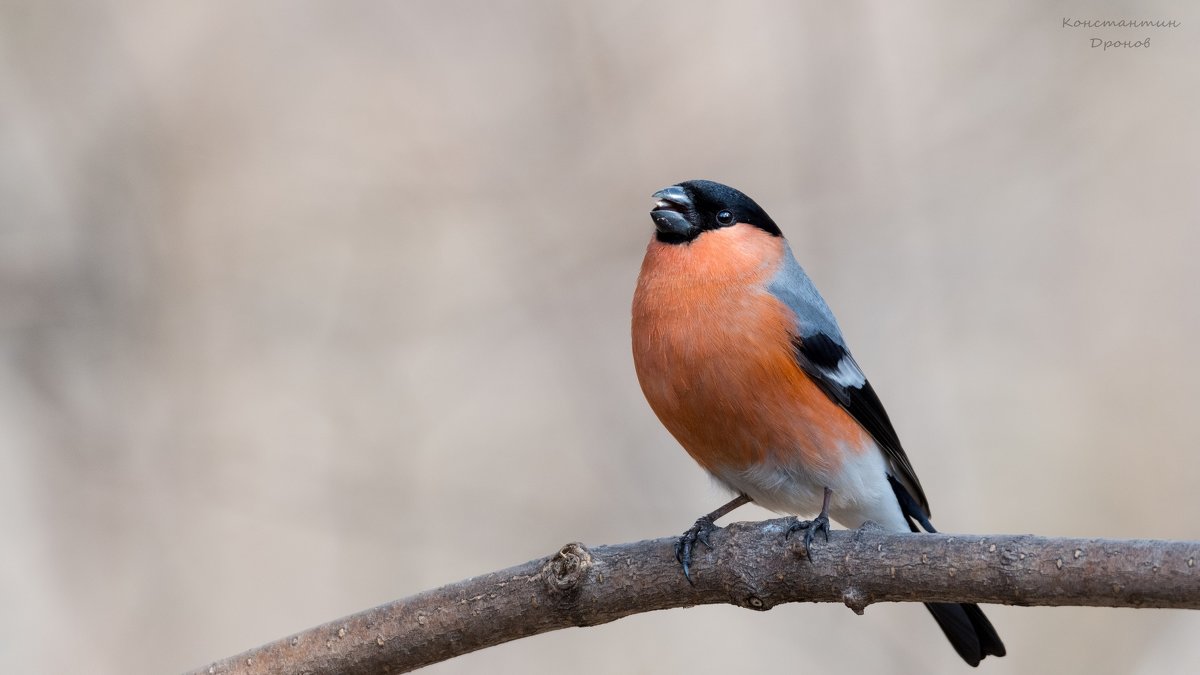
{"x":965,"y":626}
{"x":968,"y":630}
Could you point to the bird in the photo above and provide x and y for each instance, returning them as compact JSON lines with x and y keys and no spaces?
{"x":745,"y":365}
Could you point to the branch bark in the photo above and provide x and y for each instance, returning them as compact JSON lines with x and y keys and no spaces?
{"x":750,"y":565}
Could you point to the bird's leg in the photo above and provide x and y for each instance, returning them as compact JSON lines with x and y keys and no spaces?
{"x":705,"y":525}
{"x":811,"y":527}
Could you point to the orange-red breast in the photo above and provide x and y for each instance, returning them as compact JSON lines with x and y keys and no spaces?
{"x":743,"y":362}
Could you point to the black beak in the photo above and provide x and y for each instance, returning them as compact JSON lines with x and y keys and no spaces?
{"x":672,"y":214}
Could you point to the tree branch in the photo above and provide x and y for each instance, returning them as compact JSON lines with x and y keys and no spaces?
{"x":750,"y":565}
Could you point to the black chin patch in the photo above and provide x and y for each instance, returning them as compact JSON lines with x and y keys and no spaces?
{"x":672,"y":227}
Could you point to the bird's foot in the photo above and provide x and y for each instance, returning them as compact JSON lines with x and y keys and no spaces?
{"x":687,"y":543}
{"x":810,"y":527}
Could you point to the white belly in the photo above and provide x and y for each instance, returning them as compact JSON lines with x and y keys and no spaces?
{"x":860,"y":490}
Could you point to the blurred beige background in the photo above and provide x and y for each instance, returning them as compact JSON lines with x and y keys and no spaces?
{"x":309,"y":306}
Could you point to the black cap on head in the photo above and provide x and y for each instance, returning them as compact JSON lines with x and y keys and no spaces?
{"x":686,"y":210}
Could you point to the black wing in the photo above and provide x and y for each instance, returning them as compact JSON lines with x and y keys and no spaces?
{"x":828,"y":363}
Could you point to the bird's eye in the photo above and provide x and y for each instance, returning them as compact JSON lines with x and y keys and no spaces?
{"x":725,"y":217}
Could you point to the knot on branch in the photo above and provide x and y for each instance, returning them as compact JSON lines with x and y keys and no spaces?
{"x":566,"y":570}
{"x":855,"y":599}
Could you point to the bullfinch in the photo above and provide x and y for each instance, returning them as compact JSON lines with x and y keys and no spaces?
{"x":742,"y":361}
